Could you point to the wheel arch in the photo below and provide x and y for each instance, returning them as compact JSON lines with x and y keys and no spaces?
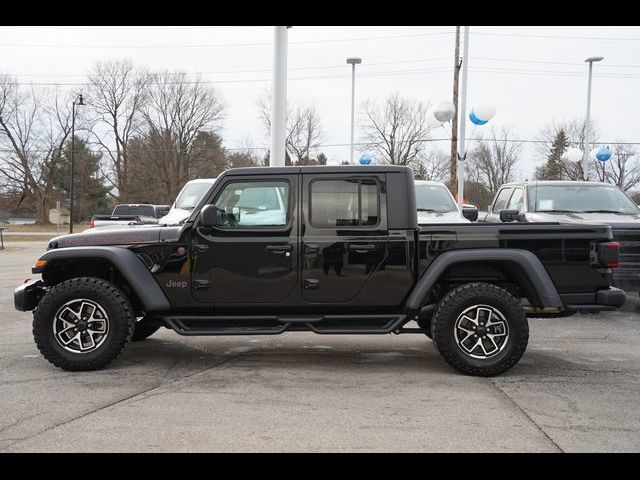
{"x":119,"y":265}
{"x":522,"y":267}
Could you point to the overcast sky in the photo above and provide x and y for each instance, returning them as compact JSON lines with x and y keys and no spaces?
{"x":532,"y":74}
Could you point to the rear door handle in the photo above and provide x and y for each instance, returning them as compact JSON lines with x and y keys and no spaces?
{"x":310,"y":248}
{"x":279,"y":248}
{"x":311,"y":283}
{"x":362,"y":248}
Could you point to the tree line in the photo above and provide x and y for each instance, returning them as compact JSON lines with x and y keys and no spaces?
{"x":141,"y":136}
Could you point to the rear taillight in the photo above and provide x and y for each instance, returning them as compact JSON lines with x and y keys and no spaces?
{"x":609,"y":254}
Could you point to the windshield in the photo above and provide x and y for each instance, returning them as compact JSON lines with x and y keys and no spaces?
{"x":580,"y":198}
{"x":191,"y":194}
{"x":141,"y":210}
{"x":434,"y":198}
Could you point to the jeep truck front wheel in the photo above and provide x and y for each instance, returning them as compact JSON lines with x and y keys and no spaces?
{"x":83,"y":324}
{"x":480,"y":329}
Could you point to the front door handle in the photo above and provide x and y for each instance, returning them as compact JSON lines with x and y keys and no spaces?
{"x":279,"y":248}
{"x":362,"y":248}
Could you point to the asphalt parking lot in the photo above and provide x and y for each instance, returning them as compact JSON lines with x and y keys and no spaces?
{"x":576,"y":389}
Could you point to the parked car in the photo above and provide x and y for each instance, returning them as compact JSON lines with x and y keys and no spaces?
{"x":129,"y":214}
{"x":187,"y":200}
{"x":577,"y":203}
{"x":345,"y":256}
{"x":435,"y":204}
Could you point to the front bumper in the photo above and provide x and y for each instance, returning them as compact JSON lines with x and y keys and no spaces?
{"x":27,"y":295}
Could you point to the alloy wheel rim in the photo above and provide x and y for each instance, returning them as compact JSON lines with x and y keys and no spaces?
{"x":80,"y":326}
{"x":481,"y":331}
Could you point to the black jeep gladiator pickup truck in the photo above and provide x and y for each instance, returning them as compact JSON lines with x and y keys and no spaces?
{"x":322,"y":249}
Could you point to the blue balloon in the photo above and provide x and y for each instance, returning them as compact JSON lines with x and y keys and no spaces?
{"x":476,"y":120}
{"x":603,"y":154}
{"x":366,"y":159}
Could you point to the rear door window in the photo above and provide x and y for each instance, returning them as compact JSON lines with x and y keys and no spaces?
{"x":344,"y":203}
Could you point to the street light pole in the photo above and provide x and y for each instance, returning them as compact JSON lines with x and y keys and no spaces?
{"x":353,"y":61}
{"x":73,"y":149}
{"x":278,"y":153}
{"x":587,"y":127}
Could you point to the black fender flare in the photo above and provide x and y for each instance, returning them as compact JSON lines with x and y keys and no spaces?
{"x":528,"y":261}
{"x":128,"y":265}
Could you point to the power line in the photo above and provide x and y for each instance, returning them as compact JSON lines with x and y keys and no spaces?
{"x":514,"y":60}
{"x":572,"y":37}
{"x":369,"y":64}
{"x":257,"y":44}
{"x":143,"y":28}
{"x":262,"y":70}
{"x":328,"y":145}
{"x":495,"y":70}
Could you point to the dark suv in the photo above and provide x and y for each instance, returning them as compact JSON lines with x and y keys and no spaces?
{"x":577,"y":203}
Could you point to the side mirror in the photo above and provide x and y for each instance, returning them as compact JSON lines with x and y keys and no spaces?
{"x":211,"y":216}
{"x":509,"y":215}
{"x":470,"y":212}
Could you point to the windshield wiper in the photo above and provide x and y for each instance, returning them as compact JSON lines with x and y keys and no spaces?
{"x":426,"y":210}
{"x":605,"y":211}
{"x":558,"y":211}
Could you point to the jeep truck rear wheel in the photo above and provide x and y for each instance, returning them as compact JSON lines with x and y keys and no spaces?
{"x":83,"y":324}
{"x":480,"y":329}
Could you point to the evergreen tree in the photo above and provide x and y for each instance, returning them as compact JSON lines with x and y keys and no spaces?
{"x":553,"y":169}
{"x":89,"y":189}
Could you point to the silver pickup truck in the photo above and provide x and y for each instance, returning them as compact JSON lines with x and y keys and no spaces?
{"x":130,"y":214}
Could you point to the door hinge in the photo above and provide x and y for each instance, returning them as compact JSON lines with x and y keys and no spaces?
{"x":200,"y":284}
{"x":201,"y":248}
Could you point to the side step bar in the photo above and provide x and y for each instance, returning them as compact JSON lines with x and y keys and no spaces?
{"x":274,"y":325}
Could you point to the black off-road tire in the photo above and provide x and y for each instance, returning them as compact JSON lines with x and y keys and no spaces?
{"x":464,"y":297}
{"x":110,"y":298}
{"x":144,"y":328}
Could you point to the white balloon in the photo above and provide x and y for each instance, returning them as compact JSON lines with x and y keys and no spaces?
{"x":444,"y":111}
{"x":573,"y":154}
{"x":432,"y":121}
{"x":484,"y":110}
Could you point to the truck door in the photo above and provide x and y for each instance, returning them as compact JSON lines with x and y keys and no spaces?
{"x":253,"y":257}
{"x":345,"y":239}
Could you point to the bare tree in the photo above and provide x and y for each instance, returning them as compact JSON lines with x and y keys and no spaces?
{"x":574,"y":130}
{"x":177,"y":113}
{"x":493,"y":161}
{"x":304,"y":130}
{"x":32,"y":135}
{"x":118,"y":91}
{"x":623,"y":169}
{"x":434,"y":166}
{"x":396,"y":131}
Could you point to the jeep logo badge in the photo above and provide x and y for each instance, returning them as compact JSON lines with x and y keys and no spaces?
{"x":174,"y":284}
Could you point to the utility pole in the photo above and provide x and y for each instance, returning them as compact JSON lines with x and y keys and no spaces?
{"x":453,"y":171}
{"x":462,"y":151}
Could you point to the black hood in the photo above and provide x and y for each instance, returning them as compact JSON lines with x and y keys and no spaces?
{"x":118,"y":235}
